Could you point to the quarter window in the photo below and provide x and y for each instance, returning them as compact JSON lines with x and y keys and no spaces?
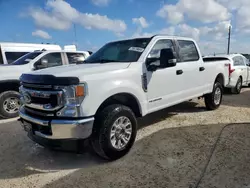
{"x":188,"y":51}
{"x":75,"y":58}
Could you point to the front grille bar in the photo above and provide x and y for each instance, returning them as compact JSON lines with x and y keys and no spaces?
{"x":43,"y":95}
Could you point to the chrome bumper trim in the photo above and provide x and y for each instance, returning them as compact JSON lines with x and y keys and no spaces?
{"x":62,"y":129}
{"x":31,"y":119}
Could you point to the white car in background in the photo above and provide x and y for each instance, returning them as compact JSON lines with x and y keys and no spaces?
{"x":239,"y":71}
{"x":10,"y":51}
{"x":9,"y":74}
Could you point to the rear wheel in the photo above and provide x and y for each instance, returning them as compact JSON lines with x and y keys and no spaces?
{"x":114,"y":132}
{"x":214,"y":99}
{"x":238,"y":87}
{"x":9,"y":104}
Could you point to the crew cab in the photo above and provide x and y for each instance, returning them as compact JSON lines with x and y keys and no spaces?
{"x":239,"y":71}
{"x":101,"y":99}
{"x":9,"y":74}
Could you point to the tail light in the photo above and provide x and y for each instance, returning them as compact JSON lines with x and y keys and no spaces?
{"x":230,"y":70}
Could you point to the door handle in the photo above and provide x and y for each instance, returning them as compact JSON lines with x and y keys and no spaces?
{"x":202,"y":68}
{"x":179,"y":72}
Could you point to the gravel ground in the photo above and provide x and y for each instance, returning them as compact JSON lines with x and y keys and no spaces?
{"x":173,"y":148}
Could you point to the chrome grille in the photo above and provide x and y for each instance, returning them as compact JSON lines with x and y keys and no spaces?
{"x":46,"y":100}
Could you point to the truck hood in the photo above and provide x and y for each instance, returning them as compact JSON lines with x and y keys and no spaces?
{"x":81,"y":70}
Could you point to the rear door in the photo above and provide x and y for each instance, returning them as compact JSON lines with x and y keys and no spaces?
{"x":190,"y":64}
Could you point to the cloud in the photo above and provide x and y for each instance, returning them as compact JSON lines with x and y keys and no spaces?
{"x":218,"y":32}
{"x":188,"y":31}
{"x":165,"y":31}
{"x":41,"y":34}
{"x":171,"y":13}
{"x":60,"y":15}
{"x":205,"y":11}
{"x":100,"y":2}
{"x":141,"y":21}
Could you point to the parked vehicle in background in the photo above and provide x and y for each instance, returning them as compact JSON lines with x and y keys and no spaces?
{"x":123,"y":80}
{"x":9,"y":52}
{"x":9,"y":74}
{"x":239,"y":71}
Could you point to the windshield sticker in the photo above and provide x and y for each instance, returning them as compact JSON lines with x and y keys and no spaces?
{"x":136,"y":49}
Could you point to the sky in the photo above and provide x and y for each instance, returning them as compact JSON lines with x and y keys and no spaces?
{"x":92,"y":23}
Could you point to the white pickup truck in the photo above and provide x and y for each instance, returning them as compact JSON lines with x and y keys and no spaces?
{"x":100,"y":100}
{"x":10,"y":74}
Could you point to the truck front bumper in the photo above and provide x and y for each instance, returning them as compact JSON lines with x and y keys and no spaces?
{"x":56,"y":129}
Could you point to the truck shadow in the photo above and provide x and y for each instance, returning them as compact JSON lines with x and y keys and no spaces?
{"x":241,"y":100}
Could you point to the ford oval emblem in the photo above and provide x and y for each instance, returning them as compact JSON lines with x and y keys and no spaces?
{"x":26,"y":98}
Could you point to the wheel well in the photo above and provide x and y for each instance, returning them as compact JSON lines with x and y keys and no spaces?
{"x":124,"y":99}
{"x":9,"y":85}
{"x":220,"y":79}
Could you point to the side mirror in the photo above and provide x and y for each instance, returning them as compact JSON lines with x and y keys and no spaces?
{"x":43,"y":63}
{"x":167,"y":58}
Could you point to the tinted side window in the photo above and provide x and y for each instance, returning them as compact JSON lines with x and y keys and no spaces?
{"x":159,"y":45}
{"x":75,"y":58}
{"x":238,"y":61}
{"x":49,"y":60}
{"x":13,"y":56}
{"x":188,"y":51}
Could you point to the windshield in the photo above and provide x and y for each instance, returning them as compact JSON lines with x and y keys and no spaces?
{"x":120,"y":51}
{"x":26,"y":58}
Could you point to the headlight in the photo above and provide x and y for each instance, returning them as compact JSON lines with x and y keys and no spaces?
{"x":73,"y":97}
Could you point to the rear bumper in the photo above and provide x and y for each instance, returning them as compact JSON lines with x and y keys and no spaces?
{"x":58,"y":129}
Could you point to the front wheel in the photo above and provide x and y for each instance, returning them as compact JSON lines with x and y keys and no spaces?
{"x":114,"y":132}
{"x":214,"y":99}
{"x":9,"y":104}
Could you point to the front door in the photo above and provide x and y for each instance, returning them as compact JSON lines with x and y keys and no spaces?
{"x":163,"y":85}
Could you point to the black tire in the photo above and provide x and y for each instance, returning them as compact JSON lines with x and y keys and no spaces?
{"x":3,"y":97}
{"x":101,"y":141}
{"x":238,"y":87}
{"x":210,"y":98}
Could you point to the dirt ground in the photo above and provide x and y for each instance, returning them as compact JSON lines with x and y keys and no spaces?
{"x":183,"y":146}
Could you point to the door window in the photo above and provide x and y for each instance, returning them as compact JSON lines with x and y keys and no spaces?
{"x":159,"y":45}
{"x":188,"y":51}
{"x":75,"y":58}
{"x":49,"y":60}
